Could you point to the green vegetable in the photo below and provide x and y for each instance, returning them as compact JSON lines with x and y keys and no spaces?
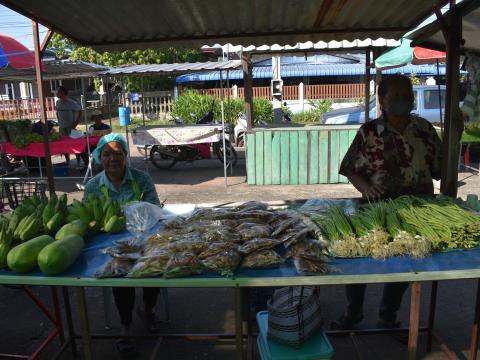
{"x":23,"y":258}
{"x":57,"y":257}
{"x":76,"y":227}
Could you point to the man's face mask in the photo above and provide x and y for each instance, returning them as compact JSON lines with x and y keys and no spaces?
{"x":398,"y":106}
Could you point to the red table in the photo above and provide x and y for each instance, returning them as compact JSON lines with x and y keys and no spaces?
{"x":66,"y":145}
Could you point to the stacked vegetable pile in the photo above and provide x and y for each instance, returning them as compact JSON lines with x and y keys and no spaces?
{"x":220,"y":241}
{"x":26,"y":234}
{"x":21,"y":135}
{"x":405,"y":226}
{"x":98,"y":213}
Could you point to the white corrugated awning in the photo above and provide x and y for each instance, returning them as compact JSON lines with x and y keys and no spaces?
{"x":120,"y":24}
{"x":152,"y":69}
{"x":58,"y":69}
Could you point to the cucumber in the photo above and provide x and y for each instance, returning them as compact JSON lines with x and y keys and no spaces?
{"x":57,"y":257}
{"x":23,"y":258}
{"x":76,"y":227}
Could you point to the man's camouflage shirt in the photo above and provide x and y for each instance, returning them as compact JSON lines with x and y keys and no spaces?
{"x":404,"y":164}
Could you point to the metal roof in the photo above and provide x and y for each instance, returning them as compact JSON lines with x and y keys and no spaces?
{"x":152,"y":69}
{"x":58,"y":69}
{"x":122,"y":24}
{"x":431,"y":35}
{"x":295,"y":70}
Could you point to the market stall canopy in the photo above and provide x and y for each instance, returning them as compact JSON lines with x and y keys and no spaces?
{"x":405,"y":54}
{"x":15,"y":55}
{"x":431,"y":36}
{"x":334,"y":45}
{"x":58,"y":69}
{"x":295,"y":70}
{"x":119,"y":25}
{"x":155,"y":69}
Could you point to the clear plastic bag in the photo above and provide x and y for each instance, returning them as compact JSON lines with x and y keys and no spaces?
{"x":141,"y":217}
{"x":114,"y":268}
{"x":253,"y":245}
{"x":223,"y":263}
{"x":262,"y":259}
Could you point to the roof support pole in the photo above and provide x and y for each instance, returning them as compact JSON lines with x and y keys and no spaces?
{"x":453,"y":118}
{"x":367,"y":84}
{"x":247,"y":87}
{"x":222,"y":109}
{"x":43,"y":113}
{"x":378,"y":79}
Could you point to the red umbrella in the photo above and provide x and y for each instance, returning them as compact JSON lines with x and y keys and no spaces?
{"x":17,"y":55}
{"x":427,"y":56}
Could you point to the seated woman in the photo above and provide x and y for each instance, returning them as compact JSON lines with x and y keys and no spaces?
{"x":124,"y":184}
{"x":98,"y":127}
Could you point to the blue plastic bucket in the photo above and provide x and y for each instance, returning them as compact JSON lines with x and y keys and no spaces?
{"x":124,"y":115}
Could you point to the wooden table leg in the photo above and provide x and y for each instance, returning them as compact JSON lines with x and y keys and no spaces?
{"x":414,"y":320}
{"x":238,"y":324}
{"x":84,"y":325}
{"x":476,"y":321}
{"x":431,"y":315}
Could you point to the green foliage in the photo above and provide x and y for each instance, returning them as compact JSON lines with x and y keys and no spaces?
{"x":305,"y":117}
{"x":415,"y":79}
{"x":192,"y":102}
{"x":66,"y":47}
{"x":262,"y":110}
{"x":313,"y":115}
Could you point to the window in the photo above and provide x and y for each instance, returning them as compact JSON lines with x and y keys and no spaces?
{"x":54,"y":85}
{"x":415,"y":100}
{"x":9,"y":91}
{"x":430,"y":98}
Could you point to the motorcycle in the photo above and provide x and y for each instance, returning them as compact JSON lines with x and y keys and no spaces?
{"x":166,"y":156}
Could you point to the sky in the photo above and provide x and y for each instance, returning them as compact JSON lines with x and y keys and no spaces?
{"x":18,"y":27}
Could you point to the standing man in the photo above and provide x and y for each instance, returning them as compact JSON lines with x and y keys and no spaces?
{"x":397,"y":154}
{"x":69,"y":113}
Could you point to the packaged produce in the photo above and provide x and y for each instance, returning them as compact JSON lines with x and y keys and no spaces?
{"x":310,"y":265}
{"x":223,"y":263}
{"x":114,"y":268}
{"x":262,"y":259}
{"x":182,"y":264}
{"x":253,"y":245}
{"x":217,"y":247}
{"x":57,"y":257}
{"x":256,"y":231}
{"x":187,"y":245}
{"x":151,"y":266}
{"x":23,"y":258}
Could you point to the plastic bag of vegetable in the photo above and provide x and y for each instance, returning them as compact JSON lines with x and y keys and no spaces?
{"x":257,"y":244}
{"x":223,"y":263}
{"x":217,"y":247}
{"x":262,"y":259}
{"x":114,"y":268}
{"x":182,"y":264}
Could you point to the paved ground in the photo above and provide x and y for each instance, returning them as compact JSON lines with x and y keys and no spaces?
{"x":210,"y":310}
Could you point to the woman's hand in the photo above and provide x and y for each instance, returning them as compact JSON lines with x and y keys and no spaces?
{"x":368,"y":190}
{"x":373,"y":191}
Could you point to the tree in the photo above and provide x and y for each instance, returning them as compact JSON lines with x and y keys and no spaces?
{"x":66,"y":48}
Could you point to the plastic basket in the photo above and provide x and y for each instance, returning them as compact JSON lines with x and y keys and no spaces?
{"x":315,"y":348}
{"x":17,"y":190}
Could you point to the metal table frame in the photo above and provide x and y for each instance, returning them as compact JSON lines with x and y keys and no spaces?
{"x":241,"y":285}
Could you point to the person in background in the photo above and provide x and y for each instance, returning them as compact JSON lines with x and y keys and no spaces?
{"x":396,"y":154}
{"x":96,"y":117}
{"x":69,"y":113}
{"x":125,"y":184}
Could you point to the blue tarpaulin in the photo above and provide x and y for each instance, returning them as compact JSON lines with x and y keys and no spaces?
{"x":301,"y":70}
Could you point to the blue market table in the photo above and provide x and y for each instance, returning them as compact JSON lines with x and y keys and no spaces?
{"x":453,"y":265}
